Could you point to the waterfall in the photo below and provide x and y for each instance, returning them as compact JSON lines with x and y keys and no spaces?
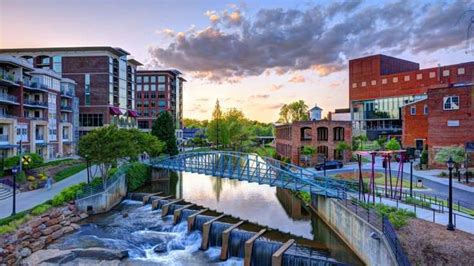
{"x":172,"y":208}
{"x":200,"y":220}
{"x":263,"y":250}
{"x":183,"y":216}
{"x":237,"y":242}
{"x":215,"y":235}
{"x":299,"y":255}
{"x":161,"y":203}
{"x":136,"y":196}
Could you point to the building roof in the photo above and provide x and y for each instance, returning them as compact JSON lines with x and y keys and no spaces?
{"x":315,"y":108}
{"x":115,"y":50}
{"x":16,"y":61}
{"x":170,"y":71}
{"x":47,"y":72}
{"x":68,"y":80}
{"x":134,"y":62}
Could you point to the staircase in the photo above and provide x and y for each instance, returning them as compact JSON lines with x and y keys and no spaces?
{"x":5,"y":192}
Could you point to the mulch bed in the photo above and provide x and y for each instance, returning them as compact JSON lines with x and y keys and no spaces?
{"x":427,"y":243}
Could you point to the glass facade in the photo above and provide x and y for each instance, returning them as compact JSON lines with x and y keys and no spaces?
{"x":87,"y":89}
{"x":57,"y":66}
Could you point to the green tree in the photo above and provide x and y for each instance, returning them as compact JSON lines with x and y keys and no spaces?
{"x":393,"y":145}
{"x":164,"y":129}
{"x":284,"y":114}
{"x":292,"y":112}
{"x":342,"y":147}
{"x":142,"y":142}
{"x":455,"y":152}
{"x":217,"y":131}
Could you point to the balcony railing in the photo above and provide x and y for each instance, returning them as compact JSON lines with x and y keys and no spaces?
{"x":64,"y":120}
{"x":7,"y":116}
{"x":7,"y":97}
{"x":66,"y":107}
{"x":36,"y":86}
{"x":67,"y":93}
{"x":66,"y":137}
{"x":36,"y":118}
{"x":3,"y":138}
{"x":7,"y":77}
{"x":36,"y":103}
{"x":39,"y":138}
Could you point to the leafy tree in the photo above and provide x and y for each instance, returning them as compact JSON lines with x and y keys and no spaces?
{"x":217,"y":131}
{"x":194,"y":123}
{"x":142,"y":142}
{"x":292,"y":112}
{"x":342,"y":147}
{"x":358,"y":142}
{"x":164,"y":129}
{"x":308,"y":150}
{"x":456,"y":153}
{"x":393,"y":145}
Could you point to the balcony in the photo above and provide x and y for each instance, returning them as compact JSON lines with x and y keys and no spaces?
{"x":64,"y":120}
{"x":35,"y":86}
{"x":35,"y":104}
{"x":39,"y":138}
{"x":3,"y":138}
{"x":67,"y":94}
{"x":7,"y":98}
{"x":8,"y":79}
{"x":37,"y":118}
{"x":2,"y":115}
{"x":66,"y":108}
{"x":66,"y":137}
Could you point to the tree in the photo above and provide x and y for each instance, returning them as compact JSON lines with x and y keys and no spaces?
{"x":140,"y":142}
{"x":292,"y":112}
{"x":456,"y":153}
{"x":164,"y":129}
{"x":342,"y":147}
{"x":217,"y":131}
{"x":393,"y":145}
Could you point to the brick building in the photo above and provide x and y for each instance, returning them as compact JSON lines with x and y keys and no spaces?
{"x":104,"y":77}
{"x":36,"y":109}
{"x":380,"y":85}
{"x":158,"y":91}
{"x":324,"y":135}
{"x":444,"y":118}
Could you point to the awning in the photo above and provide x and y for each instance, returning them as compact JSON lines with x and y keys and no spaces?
{"x":115,"y":111}
{"x":132,"y":113}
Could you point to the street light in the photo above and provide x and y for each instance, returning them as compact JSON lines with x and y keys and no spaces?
{"x":450,"y":164}
{"x":14,"y":171}
{"x":324,"y":165}
{"x":410,"y":159}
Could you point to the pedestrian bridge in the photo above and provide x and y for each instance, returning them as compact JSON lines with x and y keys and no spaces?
{"x":253,"y":168}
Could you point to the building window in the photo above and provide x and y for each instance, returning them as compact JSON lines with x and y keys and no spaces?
{"x":161,"y":103}
{"x":322,"y":133}
{"x":143,"y":124}
{"x":445,"y":73}
{"x":364,"y":84}
{"x":57,"y":67}
{"x":419,"y":76}
{"x":139,"y":79}
{"x":153,"y":79}
{"x":139,"y":104}
{"x":152,"y":104}
{"x":406,"y":78}
{"x":146,"y":87}
{"x":461,"y":71}
{"x":323,"y":150}
{"x":373,"y":82}
{"x":146,"y":79}
{"x":161,"y":87}
{"x":91,"y":120}
{"x":451,"y":103}
{"x":354,"y":85}
{"x":413,"y":110}
{"x":153,"y":87}
{"x":139,"y":87}
{"x":338,"y":133}
{"x":432,"y":74}
{"x":87,"y":89}
{"x":145,"y":95}
{"x":384,"y":81}
{"x":395,"y":79}
{"x":425,"y":109}
{"x":161,"y":79}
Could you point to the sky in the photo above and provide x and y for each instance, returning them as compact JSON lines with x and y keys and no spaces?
{"x":251,"y":55}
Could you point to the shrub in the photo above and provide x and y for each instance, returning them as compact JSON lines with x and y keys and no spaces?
{"x":21,"y":177}
{"x":393,"y":145}
{"x":42,"y":176}
{"x":424,"y":157}
{"x":31,"y":178}
{"x":398,"y":218}
{"x":58,"y":200}
{"x":36,"y":161}
{"x":40,"y":209}
{"x":137,"y":175}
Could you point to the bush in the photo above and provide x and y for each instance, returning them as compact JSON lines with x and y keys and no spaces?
{"x":31,"y":178}
{"x":393,"y":145}
{"x":397,"y":218}
{"x":58,"y":200}
{"x":137,"y":175}
{"x":36,"y":161}
{"x":424,"y":157}
{"x":21,"y":177}
{"x":40,"y":209}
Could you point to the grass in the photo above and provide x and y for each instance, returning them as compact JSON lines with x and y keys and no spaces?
{"x":12,"y":223}
{"x":65,"y":173}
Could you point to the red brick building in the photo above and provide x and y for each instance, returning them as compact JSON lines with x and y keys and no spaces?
{"x":444,"y":118}
{"x":380,"y":85}
{"x":324,"y":135}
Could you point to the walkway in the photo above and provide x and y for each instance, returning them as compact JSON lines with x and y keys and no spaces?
{"x":27,"y":200}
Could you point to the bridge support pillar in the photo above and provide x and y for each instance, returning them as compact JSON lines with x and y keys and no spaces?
{"x":165,"y":208}
{"x":249,"y":246}
{"x":154,"y":203}
{"x":146,"y":198}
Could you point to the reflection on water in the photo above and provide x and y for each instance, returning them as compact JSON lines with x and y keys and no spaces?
{"x":261,"y":204}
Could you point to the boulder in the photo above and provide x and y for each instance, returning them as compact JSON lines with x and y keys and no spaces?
{"x":75,"y":219}
{"x":57,"y":234}
{"x":43,"y":255}
{"x":55,"y":213}
{"x":75,"y":226}
{"x":25,"y":252}
{"x":35,"y":222}
{"x":37,"y":245}
{"x":52,"y":221}
{"x":67,"y":229}
{"x":101,"y":253}
{"x":83,"y":215}
{"x":160,"y":248}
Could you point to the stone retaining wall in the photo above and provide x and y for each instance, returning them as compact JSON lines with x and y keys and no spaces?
{"x":38,"y":233}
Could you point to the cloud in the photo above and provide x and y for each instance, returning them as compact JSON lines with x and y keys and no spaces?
{"x":259,"y":96}
{"x":297,"y":79}
{"x":197,"y":108}
{"x":202,"y":99}
{"x":274,"y":106}
{"x":236,"y":46}
{"x":275,"y":87}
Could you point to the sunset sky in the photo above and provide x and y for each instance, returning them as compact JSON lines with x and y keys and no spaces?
{"x":249,"y":55}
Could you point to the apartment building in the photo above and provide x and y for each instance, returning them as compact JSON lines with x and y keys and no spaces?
{"x":158,"y":91}
{"x":380,"y":85}
{"x":104,"y":77}
{"x":31,"y":110}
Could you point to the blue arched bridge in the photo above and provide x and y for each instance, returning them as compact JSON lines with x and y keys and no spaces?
{"x":253,"y":168}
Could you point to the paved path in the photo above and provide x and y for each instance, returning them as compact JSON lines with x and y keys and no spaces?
{"x":27,"y":200}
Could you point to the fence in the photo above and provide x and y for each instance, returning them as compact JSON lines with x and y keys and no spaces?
{"x":391,"y":236}
{"x":92,"y":189}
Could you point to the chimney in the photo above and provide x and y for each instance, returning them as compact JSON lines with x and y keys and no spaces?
{"x":329,"y":116}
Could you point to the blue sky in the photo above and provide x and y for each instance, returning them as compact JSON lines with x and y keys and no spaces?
{"x":252,"y":55}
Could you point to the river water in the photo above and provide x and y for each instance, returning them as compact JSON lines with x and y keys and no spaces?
{"x":144,"y":230}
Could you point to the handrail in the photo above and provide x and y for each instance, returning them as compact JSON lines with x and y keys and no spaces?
{"x":91,"y":189}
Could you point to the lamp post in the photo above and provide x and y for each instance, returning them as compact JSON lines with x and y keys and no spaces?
{"x":14,"y":171}
{"x":324,"y":165}
{"x":411,"y":176}
{"x":450,"y":164}
{"x":88,"y":171}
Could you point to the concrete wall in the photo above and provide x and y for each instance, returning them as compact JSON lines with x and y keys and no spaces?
{"x":104,"y":201}
{"x":354,"y":231}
